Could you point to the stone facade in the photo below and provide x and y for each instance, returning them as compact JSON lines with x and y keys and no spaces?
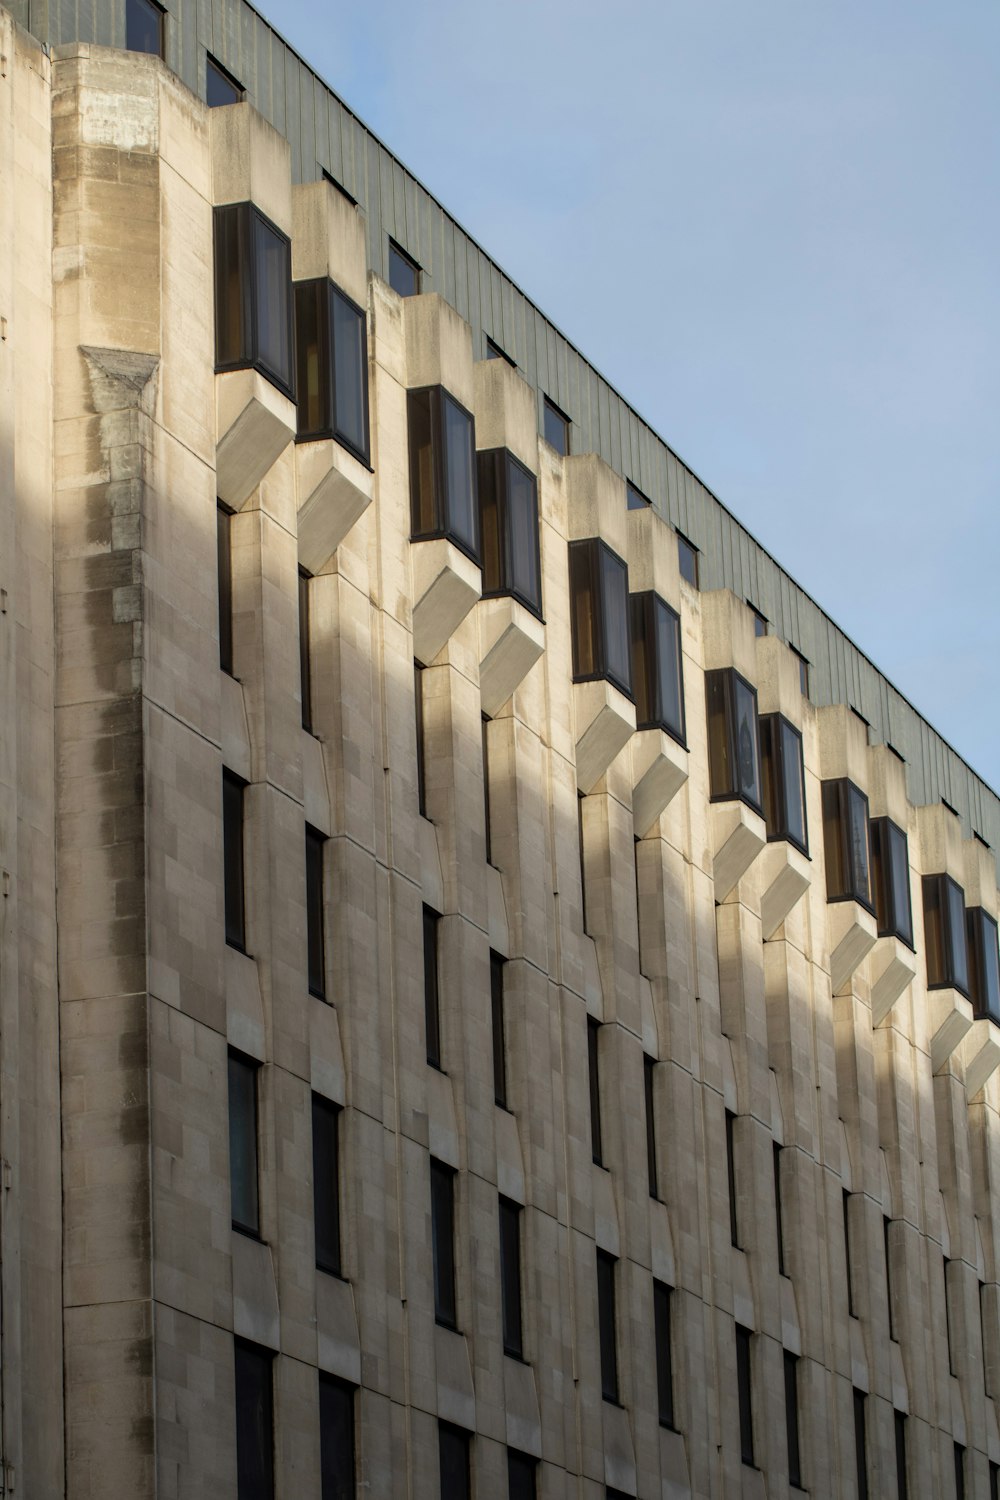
{"x":692,"y":940}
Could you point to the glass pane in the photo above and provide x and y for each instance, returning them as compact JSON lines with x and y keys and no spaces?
{"x":350,"y":373}
{"x":443,"y":1242}
{"x":312,"y":358}
{"x":453,"y":1456}
{"x":643,"y":688}
{"x":220,"y":88}
{"x":490,"y":480}
{"x":722,"y":775}
{"x":556,"y":431}
{"x":230,"y":344}
{"x":520,"y":1476}
{"x":234,"y":891}
{"x":522,"y":534}
{"x":499,"y":1040}
{"x":326,"y":1193}
{"x":510,"y":1275}
{"x":857,"y":845}
{"x":747,"y":755}
{"x":144,"y":27}
{"x":583,"y":611}
{"x":243,"y":1143}
{"x":834,"y":843}
{"x":254,"y":1422}
{"x":421,"y":410}
{"x":990,"y":980}
{"x":670,"y":704}
{"x":315,"y":944}
{"x":272,"y":293}
{"x":635,"y":499}
{"x":934,"y":930}
{"x":957,"y":950}
{"x":606,"y":1324}
{"x":899,"y":874}
{"x":792,"y":784}
{"x":617,"y":650}
{"x":460,"y":458}
{"x":404,"y":273}
{"x":336,"y":1437}
{"x":687,"y":558}
{"x":770,"y":758}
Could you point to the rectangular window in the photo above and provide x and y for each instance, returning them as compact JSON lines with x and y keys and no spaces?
{"x":744,"y":1379}
{"x":326,"y":1183}
{"x":792,"y":1420}
{"x":233,"y":788}
{"x":254,"y":1421}
{"x":508,"y":522}
{"x":144,"y":27}
{"x":442,"y":470}
{"x":594,"y":1070}
{"x":784,"y":781}
{"x":418,"y":710}
{"x":984,"y":973}
{"x":902,"y":1487}
{"x":315,"y":923}
{"x":224,"y":524}
{"x":432,"y":1001}
{"x":220,"y":86}
{"x":648,"y":1066}
{"x":734,"y":1227}
{"x":305,"y":654}
{"x":331,"y":337}
{"x":733,"y":738}
{"x":994,"y":1481}
{"x":888,"y":1276}
{"x":982,"y":1340}
{"x":760,"y":622}
{"x":453,"y":1458}
{"x":634,"y":498}
{"x":243,"y":1180}
{"x":846,"y":1201}
{"x":599,"y":614}
{"x":803,"y":673}
{"x":664,"y":1353}
{"x":607,"y":1324}
{"x":847,"y":843}
{"x":945,"y":934}
{"x":891,"y":880}
{"x":860,"y":1444}
{"x":497,"y":964}
{"x":404,"y":272}
{"x":778,"y":1220}
{"x":336,"y":1439}
{"x":521,"y":1475}
{"x":687,"y":560}
{"x":510,"y":1277}
{"x":556,"y":427}
{"x":946,"y":1265}
{"x":487,"y":820}
{"x":959,"y":1472}
{"x":253,"y":295}
{"x":657,"y":674}
{"x":583,"y":862}
{"x":443,"y":1243}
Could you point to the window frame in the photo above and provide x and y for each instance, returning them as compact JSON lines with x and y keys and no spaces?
{"x":396,"y":254}
{"x":326,"y":1209}
{"x":224,"y":575}
{"x":432,"y":985}
{"x":725,"y":682}
{"x":663,"y":1340}
{"x":511,"y":1280}
{"x":213,"y":65}
{"x":744,"y":1385}
{"x":245,"y":216}
{"x":443,"y":1255}
{"x":884,"y":832}
{"x":442,"y":525}
{"x":981,"y":945}
{"x":648,"y":684}
{"x":418,"y":713}
{"x":244,"y":1149}
{"x":734,"y":1220}
{"x":649,"y":1091}
{"x":594,"y":1081}
{"x":779,"y":1214}
{"x":902,"y":1477}
{"x":861,"y":1441}
{"x":316,"y":911}
{"x":522,"y":1475}
{"x":843,"y":791}
{"x":607,"y":1325}
{"x":305,"y":648}
{"x":328,"y":291}
{"x":447,"y":1431}
{"x":951,"y":933}
{"x":590,"y":553}
{"x":247,"y":1357}
{"x":793,"y":1434}
{"x":493,"y":484}
{"x":498,"y":965}
{"x":551,"y":414}
{"x":773,"y":732}
{"x":234,"y":859}
{"x":156,"y":13}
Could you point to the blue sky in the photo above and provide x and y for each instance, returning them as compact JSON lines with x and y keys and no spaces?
{"x":775,"y":227}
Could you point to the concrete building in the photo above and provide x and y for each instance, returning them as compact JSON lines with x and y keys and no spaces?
{"x":498,"y":997}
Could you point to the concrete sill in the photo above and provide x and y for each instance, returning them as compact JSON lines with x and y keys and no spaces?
{"x":605,"y":720}
{"x":659,"y":770}
{"x":738,"y":836}
{"x":853,"y":934}
{"x":446,"y":585}
{"x":332,"y":489}
{"x":254,"y":423}
{"x":511,"y":639}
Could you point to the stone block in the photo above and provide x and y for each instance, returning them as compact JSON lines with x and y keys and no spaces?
{"x":333,"y":489}
{"x":511,"y":639}
{"x":254,"y":424}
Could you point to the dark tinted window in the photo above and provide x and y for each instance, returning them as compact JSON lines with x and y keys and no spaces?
{"x":232,"y":852}
{"x":783,"y":780}
{"x":305,"y":654}
{"x":315,"y":923}
{"x":599,"y":614}
{"x":656,"y":665}
{"x":634,"y":498}
{"x":254,"y":1422}
{"x":733,"y":742}
{"x":778,"y":1210}
{"x":994,"y":1481}
{"x":891,"y":881}
{"x":332,"y":355}
{"x":326,"y":1184}
{"x":418,"y":710}
{"x":760,"y":622}
{"x":664,"y":1353}
{"x":404,"y":273}
{"x":144,"y":27}
{"x":521,"y":1469}
{"x":902,"y":1485}
{"x":744,"y":1380}
{"x":984,"y":973}
{"x":593,"y":1064}
{"x":803,"y":674}
{"x":336,"y":1439}
{"x":493,"y":351}
{"x":846,"y":843}
{"x":607,"y":1325}
{"x":253,"y":294}
{"x":846,"y":1203}
{"x":442,"y":469}
{"x":648,"y":1072}
{"x":792,"y":1421}
{"x":432,"y":1004}
{"x":220,"y":87}
{"x":860,"y":1444}
{"x":453,"y":1456}
{"x":556,"y":429}
{"x":443,"y":1243}
{"x":959,"y":1472}
{"x":499,"y":1038}
{"x":687,"y":560}
{"x":888,"y":1275}
{"x":224,"y":518}
{"x":945,"y":934}
{"x":243,"y":1143}
{"x":508,"y":515}
{"x":510,"y":1276}
{"x":734,"y":1226}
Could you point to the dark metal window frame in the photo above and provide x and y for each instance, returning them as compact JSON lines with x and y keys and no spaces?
{"x":443,"y":1244}
{"x":645,"y":639}
{"x":607,"y":1324}
{"x":326,"y":1192}
{"x":326,"y":341}
{"x":157,"y":14}
{"x":418,"y":714}
{"x":305,"y":649}
{"x":487,"y":808}
{"x":593,"y":548}
{"x":493,"y":468}
{"x":728,"y":677}
{"x":522,"y":1475}
{"x":846,"y":1196}
{"x":948,"y":978}
{"x":213,"y":63}
{"x":981,"y":931}
{"x":396,"y":251}
{"x":886,"y":1230}
{"x":861,"y":1442}
{"x":902,"y":1480}
{"x":438,"y":395}
{"x":884,"y":834}
{"x":779,"y":1217}
{"x":843,"y":790}
{"x":454,"y":1462}
{"x":772,"y":731}
{"x":551,"y":410}
{"x":245,"y":214}
{"x":239,"y":1064}
{"x":315,"y":911}
{"x":511,"y":1295}
{"x":734,"y":1223}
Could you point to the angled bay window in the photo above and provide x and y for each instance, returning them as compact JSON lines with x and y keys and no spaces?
{"x":984,"y":968}
{"x":253,"y":295}
{"x":783,"y":781}
{"x":442,"y":470}
{"x":657,"y":675}
{"x":508,"y":520}
{"x":847,"y":843}
{"x":891,"y":879}
{"x":945,"y":934}
{"x":733,"y":738}
{"x":331,"y":343}
{"x":598,"y":583}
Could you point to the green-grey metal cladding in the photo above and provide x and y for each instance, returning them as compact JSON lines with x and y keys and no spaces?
{"x":324,"y":134}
